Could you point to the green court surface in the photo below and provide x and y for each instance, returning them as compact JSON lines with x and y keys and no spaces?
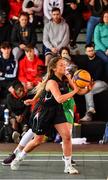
{"x":50,"y":166}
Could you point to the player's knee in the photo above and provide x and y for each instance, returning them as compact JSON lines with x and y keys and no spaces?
{"x":66,"y":137}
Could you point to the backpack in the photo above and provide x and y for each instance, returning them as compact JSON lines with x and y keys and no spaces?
{"x":105,"y":136}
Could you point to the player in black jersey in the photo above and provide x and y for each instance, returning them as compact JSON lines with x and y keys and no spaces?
{"x":53,"y":109}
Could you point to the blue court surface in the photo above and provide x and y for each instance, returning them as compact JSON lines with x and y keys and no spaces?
{"x":51,"y":166}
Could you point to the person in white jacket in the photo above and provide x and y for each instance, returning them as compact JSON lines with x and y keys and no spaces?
{"x":48,"y":5}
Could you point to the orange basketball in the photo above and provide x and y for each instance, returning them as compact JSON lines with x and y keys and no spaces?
{"x":82,"y":78}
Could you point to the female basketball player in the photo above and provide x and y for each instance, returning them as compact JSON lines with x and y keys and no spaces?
{"x":54,"y":110}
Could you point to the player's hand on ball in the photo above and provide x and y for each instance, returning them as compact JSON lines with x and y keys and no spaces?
{"x":83,"y":91}
{"x":75,"y":87}
{"x":86,"y":89}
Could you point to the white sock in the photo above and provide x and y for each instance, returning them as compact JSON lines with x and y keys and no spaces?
{"x":67,"y":160}
{"x":26,"y":138}
{"x":16,"y":151}
{"x":62,"y":149}
{"x":22,"y":155}
{"x":63,"y":153}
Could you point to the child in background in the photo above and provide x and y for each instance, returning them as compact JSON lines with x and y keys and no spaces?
{"x":64,"y":51}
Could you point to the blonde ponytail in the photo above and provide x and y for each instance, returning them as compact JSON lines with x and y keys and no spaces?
{"x":50,"y":71}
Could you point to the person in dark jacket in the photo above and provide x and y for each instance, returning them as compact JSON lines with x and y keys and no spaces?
{"x":22,"y":34}
{"x":8,"y":68}
{"x":94,"y":65}
{"x":5,"y":27}
{"x":19,"y":112}
{"x":73,"y":16}
{"x":5,"y":6}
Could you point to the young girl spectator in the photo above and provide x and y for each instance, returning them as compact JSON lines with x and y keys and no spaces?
{"x":64,"y":51}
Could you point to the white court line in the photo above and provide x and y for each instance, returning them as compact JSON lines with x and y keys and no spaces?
{"x":58,"y":155}
{"x":56,"y":160}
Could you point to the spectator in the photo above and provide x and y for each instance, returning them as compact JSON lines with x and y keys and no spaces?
{"x":8,"y":68}
{"x":101,"y":37}
{"x":48,"y":5}
{"x":96,"y":7}
{"x":64,"y":51}
{"x":35,"y":10}
{"x":19,"y":112}
{"x":73,"y":15}
{"x":22,"y":34}
{"x":15,"y":9}
{"x":94,"y":65}
{"x":86,"y":12}
{"x":5,"y":27}
{"x":55,"y":35}
{"x":30,"y":68}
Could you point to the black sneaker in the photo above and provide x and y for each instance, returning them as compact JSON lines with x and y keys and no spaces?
{"x":7,"y":161}
{"x":72,"y":161}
